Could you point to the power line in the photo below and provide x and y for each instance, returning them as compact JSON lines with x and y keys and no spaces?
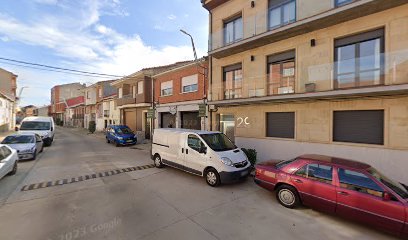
{"x":51,"y":70}
{"x":58,"y":68}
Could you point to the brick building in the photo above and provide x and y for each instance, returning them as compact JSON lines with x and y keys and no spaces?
{"x":178,"y":93}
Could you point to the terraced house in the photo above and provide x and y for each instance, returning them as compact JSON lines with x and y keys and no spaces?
{"x":289,"y":77}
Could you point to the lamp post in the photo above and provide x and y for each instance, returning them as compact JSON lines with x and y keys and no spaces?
{"x":202,"y":67}
{"x":192,"y":43}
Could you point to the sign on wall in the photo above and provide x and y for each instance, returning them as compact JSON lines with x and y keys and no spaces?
{"x":202,"y":110}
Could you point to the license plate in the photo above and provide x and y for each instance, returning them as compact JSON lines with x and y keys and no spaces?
{"x":244,"y":173}
{"x":129,"y":141}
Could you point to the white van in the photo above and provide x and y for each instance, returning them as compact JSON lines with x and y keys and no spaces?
{"x":208,"y":154}
{"x":43,"y":126}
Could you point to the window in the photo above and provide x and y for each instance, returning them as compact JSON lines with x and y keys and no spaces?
{"x":280,"y":124}
{"x":100,"y":92}
{"x":281,"y":12}
{"x":87,"y":95}
{"x":317,"y":172}
{"x":194,"y":142}
{"x":120,"y":94}
{"x":359,"y":182}
{"x":339,"y":3}
{"x":140,"y":87}
{"x":366,"y":126}
{"x":281,"y":73}
{"x":233,"y":30}
{"x":189,"y":83}
{"x":4,"y":152}
{"x":232,"y":81}
{"x":134,"y":91}
{"x":359,"y":61}
{"x":167,"y":88}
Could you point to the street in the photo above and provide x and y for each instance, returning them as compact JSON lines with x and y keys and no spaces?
{"x":146,"y":204}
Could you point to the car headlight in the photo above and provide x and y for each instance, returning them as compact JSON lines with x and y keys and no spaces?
{"x":227,"y":161}
{"x":120,"y":138}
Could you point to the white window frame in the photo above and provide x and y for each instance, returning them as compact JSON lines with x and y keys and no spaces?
{"x":140,"y":86}
{"x":166,"y":86}
{"x":189,"y":81}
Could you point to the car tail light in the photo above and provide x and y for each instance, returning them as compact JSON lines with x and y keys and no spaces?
{"x":257,"y":172}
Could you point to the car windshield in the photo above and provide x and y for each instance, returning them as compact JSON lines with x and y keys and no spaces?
{"x":284,"y":163}
{"x":33,"y":125}
{"x":218,"y":142}
{"x":396,"y":187}
{"x":124,"y":130}
{"x":18,"y":139}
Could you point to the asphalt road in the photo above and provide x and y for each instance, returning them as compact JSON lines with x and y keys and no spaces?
{"x":145,"y":204}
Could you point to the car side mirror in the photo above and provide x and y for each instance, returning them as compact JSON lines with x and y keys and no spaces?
{"x":203,"y":149}
{"x":16,"y":129}
{"x":386,"y":196}
{"x":52,"y":129}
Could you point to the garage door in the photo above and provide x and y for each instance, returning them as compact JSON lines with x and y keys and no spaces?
{"x":190,"y":120}
{"x":130,"y":119}
{"x":168,"y":120}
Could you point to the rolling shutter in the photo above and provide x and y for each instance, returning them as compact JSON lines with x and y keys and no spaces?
{"x":280,"y":124}
{"x":365,"y":126}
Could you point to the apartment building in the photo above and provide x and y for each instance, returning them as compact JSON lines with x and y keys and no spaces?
{"x":74,"y":112}
{"x":8,"y":86}
{"x":178,"y":93}
{"x":104,"y":93}
{"x":289,"y":77}
{"x":135,"y":97}
{"x":90,"y":105}
{"x":59,"y":96}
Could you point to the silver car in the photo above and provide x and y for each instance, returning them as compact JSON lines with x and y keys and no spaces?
{"x":8,"y":161}
{"x":28,"y":145}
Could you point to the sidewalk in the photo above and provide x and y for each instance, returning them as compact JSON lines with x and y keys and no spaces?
{"x":141,"y":145}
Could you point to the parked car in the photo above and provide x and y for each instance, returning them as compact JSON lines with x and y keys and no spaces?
{"x":28,"y":145}
{"x":8,"y":161}
{"x":43,"y":126}
{"x":347,"y":188}
{"x":120,"y":135}
{"x":208,"y":154}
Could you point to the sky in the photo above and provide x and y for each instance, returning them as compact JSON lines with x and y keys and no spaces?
{"x":116,"y":37}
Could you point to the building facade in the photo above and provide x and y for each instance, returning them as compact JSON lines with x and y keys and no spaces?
{"x":8,"y":98}
{"x":135,"y":97}
{"x":90,"y":105}
{"x":290,"y":77}
{"x":105,"y":92}
{"x":59,"y":96}
{"x":74,"y":112}
{"x":178,"y":93}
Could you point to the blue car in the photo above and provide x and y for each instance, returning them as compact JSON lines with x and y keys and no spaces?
{"x":120,"y":135}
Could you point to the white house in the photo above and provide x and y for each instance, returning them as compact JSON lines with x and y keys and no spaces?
{"x":7,"y":112}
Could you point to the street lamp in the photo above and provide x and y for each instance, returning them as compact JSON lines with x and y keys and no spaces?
{"x":192,"y":43}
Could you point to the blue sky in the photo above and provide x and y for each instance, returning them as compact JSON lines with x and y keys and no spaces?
{"x":116,"y":37}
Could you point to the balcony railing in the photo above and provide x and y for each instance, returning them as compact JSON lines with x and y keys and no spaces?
{"x":381,"y":70}
{"x":257,"y":28}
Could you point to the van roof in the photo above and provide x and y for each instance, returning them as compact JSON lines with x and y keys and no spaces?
{"x":180,"y":130}
{"x":38,"y":119}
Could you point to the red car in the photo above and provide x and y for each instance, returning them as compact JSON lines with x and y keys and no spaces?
{"x":343,"y":187}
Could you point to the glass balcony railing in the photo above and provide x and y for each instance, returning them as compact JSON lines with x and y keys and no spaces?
{"x":354,"y":73}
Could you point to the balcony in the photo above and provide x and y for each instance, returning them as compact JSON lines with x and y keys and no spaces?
{"x":129,"y":99}
{"x":125,"y":100}
{"x":384,"y":74}
{"x":257,"y":33}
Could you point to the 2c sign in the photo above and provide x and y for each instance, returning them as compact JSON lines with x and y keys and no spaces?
{"x":243,"y":122}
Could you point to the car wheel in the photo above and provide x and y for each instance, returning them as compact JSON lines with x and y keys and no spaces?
{"x":42,"y":149}
{"x":157,"y":161}
{"x":35,"y":155}
{"x":117,"y":144}
{"x":107,"y":140}
{"x":14,"y":171}
{"x":288,"y":196}
{"x":212,"y":177}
